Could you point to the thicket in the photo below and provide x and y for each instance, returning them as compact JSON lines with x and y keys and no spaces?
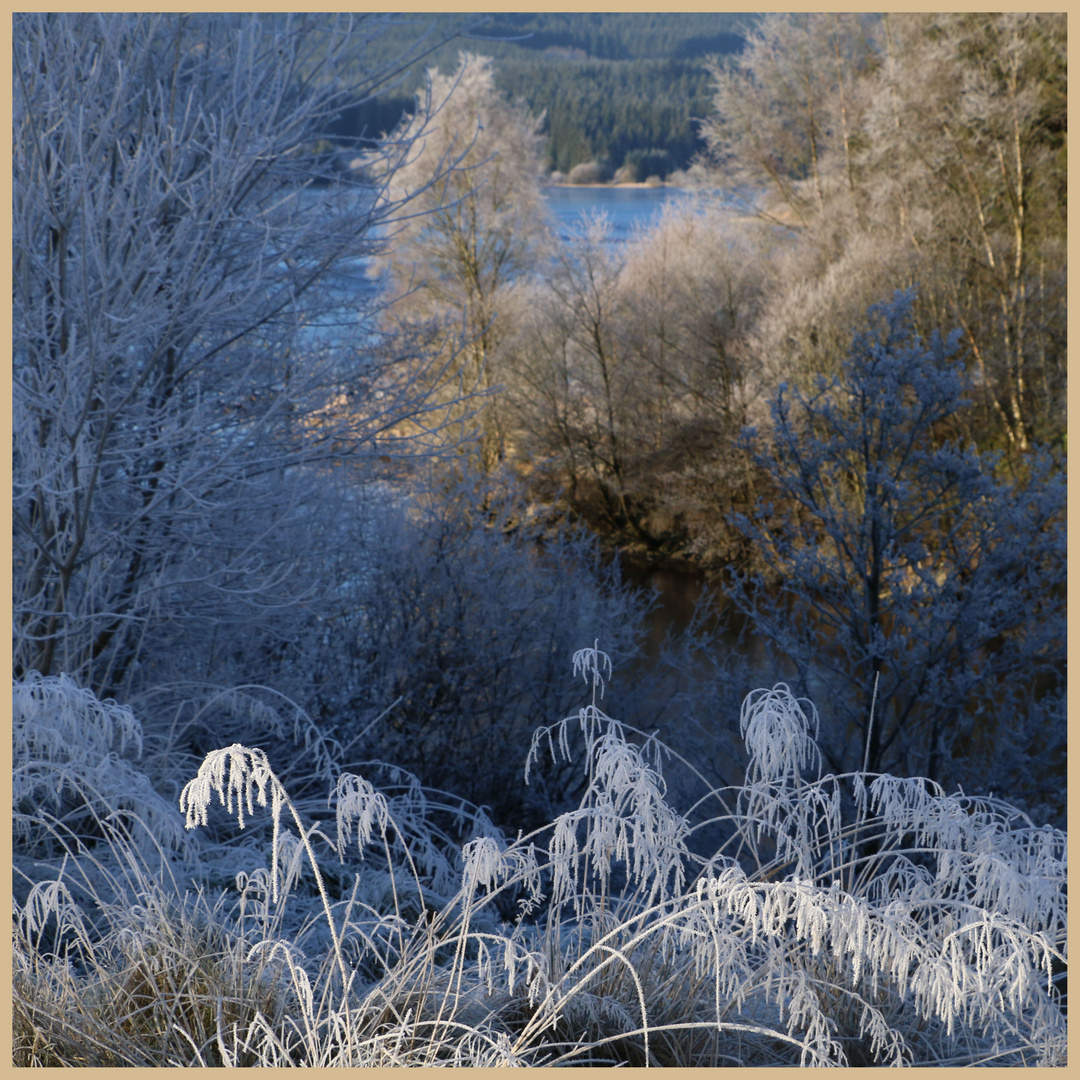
{"x":444,"y":646}
{"x":857,"y":158}
{"x":924,"y":150}
{"x":894,"y":488}
{"x":185,"y":377}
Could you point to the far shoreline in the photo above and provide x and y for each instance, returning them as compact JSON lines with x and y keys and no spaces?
{"x":610,"y":186}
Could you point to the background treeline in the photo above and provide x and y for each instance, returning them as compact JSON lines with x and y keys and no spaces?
{"x":638,"y":113}
{"x":619,"y":89}
{"x":624,"y":35}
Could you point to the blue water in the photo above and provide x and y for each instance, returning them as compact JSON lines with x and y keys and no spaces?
{"x":624,"y":207}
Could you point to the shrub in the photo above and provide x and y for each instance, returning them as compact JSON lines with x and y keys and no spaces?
{"x":452,"y":620}
{"x":588,"y":172}
{"x":648,"y":163}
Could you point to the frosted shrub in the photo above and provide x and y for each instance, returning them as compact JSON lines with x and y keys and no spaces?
{"x":860,"y":919}
{"x":912,"y":578}
{"x":73,"y":767}
{"x":462,"y":626}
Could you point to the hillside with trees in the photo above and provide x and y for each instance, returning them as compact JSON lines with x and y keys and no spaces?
{"x":340,"y":737}
{"x":623,"y":90}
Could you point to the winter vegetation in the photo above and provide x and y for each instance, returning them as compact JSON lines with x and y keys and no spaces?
{"x":325,"y":451}
{"x":622,"y":91}
{"x":845,"y":919}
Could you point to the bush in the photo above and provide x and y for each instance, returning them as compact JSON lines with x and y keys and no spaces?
{"x":451,"y":617}
{"x":466,"y":624}
{"x":647,"y":163}
{"x":588,"y":172}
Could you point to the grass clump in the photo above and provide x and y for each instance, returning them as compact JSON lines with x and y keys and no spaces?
{"x":794,"y":919}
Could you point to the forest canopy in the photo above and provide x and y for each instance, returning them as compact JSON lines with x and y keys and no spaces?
{"x":612,"y":87}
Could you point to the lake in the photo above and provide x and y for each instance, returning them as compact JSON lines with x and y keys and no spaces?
{"x":625,"y":207}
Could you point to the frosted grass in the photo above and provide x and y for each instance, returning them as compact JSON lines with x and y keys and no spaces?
{"x":843,"y":920}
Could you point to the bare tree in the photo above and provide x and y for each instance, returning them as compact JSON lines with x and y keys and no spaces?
{"x":630,"y":377}
{"x":919,"y":595}
{"x":691,"y":295}
{"x":788,"y":136}
{"x":966,"y":151}
{"x":575,"y":386}
{"x":475,"y":223}
{"x":189,"y":342}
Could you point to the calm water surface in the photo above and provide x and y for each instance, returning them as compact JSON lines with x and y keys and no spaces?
{"x":624,"y":207}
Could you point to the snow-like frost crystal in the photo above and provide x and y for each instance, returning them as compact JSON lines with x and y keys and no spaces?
{"x":70,"y":748}
{"x":55,"y":717}
{"x":234,"y":771}
{"x":591,"y":664}
{"x":778,"y":734}
{"x":358,"y":802}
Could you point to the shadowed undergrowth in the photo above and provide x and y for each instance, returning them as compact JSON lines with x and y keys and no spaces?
{"x":831,"y":920}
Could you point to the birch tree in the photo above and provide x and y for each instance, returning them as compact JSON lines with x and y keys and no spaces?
{"x":966,"y":150}
{"x":475,"y":222}
{"x":914,"y":149}
{"x":786,"y":121}
{"x":187,"y":355}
